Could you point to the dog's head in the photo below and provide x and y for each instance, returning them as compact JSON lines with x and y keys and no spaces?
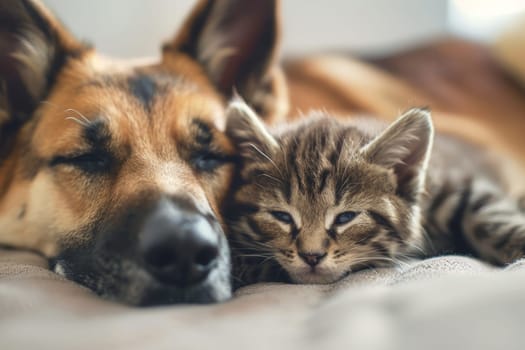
{"x":115,"y":170}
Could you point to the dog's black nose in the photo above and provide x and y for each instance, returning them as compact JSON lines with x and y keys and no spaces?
{"x":312,"y":259}
{"x":179,"y":245}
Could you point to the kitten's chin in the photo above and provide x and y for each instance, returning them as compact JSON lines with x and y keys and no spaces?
{"x":309,"y":277}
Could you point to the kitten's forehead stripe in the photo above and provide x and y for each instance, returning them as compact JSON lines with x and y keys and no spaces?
{"x":332,"y":158}
{"x":323,"y":180}
{"x":293,"y":161}
{"x":309,"y":152}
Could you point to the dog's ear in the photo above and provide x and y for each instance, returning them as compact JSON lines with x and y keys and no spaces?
{"x":33,"y":47}
{"x":236,"y":41}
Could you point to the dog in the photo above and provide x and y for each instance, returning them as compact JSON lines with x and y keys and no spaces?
{"x":115,"y":170}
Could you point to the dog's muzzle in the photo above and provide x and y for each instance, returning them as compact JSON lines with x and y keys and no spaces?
{"x":162,"y":252}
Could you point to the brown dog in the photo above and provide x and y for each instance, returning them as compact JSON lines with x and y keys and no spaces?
{"x":115,"y":170}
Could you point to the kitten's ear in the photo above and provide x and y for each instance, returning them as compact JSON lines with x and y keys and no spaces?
{"x":405,"y":148}
{"x":248,"y":132}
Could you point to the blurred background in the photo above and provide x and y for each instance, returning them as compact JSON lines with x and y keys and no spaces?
{"x":130,"y":28}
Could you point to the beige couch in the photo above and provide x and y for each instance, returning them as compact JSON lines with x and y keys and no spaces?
{"x":442,"y":303}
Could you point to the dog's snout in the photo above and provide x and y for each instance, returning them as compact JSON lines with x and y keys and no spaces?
{"x":179,"y":246}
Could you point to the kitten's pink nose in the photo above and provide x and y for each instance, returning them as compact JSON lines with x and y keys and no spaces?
{"x":312,"y":259}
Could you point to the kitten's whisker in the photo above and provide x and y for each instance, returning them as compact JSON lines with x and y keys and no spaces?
{"x":236,"y":277}
{"x":251,"y":244}
{"x":267,"y":157}
{"x":416,"y":247}
{"x":426,"y":240}
{"x":253,"y":249}
{"x":373,"y":259}
{"x":362,"y":239}
{"x":260,"y":186}
{"x":265,"y":260}
{"x":271,"y":177}
{"x":254,"y":255}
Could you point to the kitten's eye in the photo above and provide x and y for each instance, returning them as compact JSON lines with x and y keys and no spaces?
{"x":345,"y":217}
{"x":282,"y":216}
{"x":88,"y":162}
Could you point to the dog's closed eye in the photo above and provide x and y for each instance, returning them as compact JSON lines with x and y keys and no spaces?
{"x":208,"y":154}
{"x":208,"y":161}
{"x":90,"y":162}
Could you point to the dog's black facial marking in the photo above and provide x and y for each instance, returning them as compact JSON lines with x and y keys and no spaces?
{"x":144,"y":88}
{"x":97,"y":158}
{"x":96,"y":133}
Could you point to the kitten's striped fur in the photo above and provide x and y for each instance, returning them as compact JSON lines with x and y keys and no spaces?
{"x":320,"y":198}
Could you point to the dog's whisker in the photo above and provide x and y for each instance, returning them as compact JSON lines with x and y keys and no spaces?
{"x":86,"y":120}
{"x":78,"y":121}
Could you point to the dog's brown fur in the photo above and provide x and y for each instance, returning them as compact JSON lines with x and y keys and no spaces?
{"x":86,"y":140}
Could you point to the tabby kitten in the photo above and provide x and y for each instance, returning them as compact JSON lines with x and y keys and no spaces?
{"x":321,"y":198}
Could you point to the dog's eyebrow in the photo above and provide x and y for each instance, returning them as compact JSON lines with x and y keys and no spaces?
{"x":144,"y":88}
{"x":96,"y":133}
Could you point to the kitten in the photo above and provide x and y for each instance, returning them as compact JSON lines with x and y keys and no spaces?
{"x":321,"y":198}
